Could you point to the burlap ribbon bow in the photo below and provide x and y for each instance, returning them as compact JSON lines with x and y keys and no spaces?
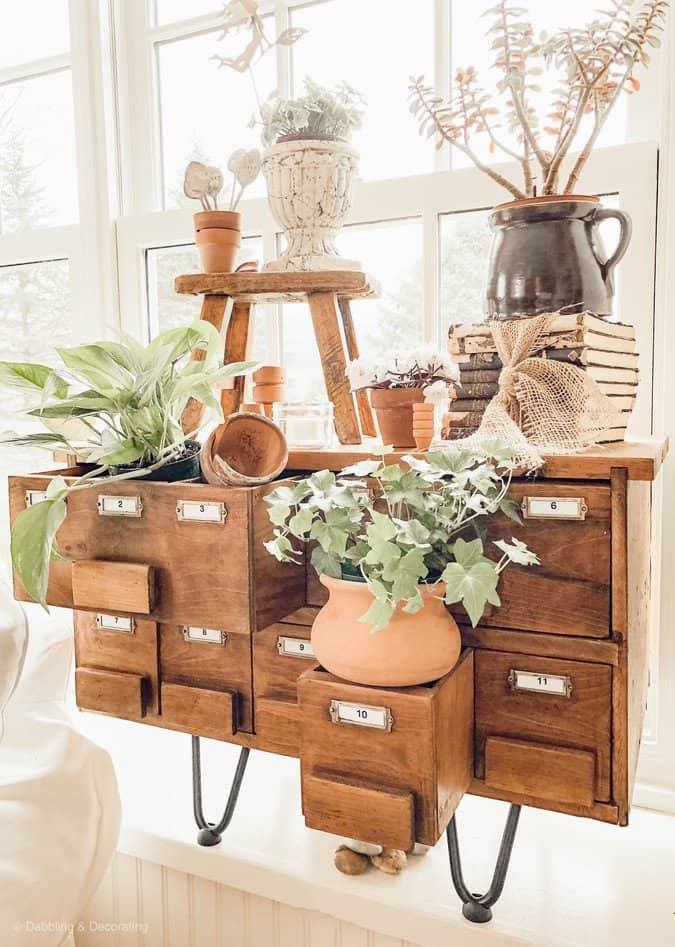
{"x":543,"y":405}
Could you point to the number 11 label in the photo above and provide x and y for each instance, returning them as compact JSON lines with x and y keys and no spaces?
{"x":363,"y":715}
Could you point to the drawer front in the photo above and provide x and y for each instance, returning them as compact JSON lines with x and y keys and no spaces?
{"x":127,"y":587}
{"x":119,"y":643}
{"x":281,"y":653}
{"x":564,"y":705}
{"x":540,"y":771}
{"x":569,"y":593}
{"x":111,"y":692}
{"x":359,"y":810}
{"x":277,"y":726}
{"x":199,"y":711}
{"x":210,"y":658}
{"x":415,"y":739}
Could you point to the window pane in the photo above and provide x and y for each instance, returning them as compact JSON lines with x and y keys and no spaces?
{"x":205,"y":110}
{"x":168,"y":309}
{"x":38,"y":179}
{"x":34,"y":319}
{"x":168,"y":11}
{"x":391,"y":252}
{"x":375,"y":47}
{"x":33,"y":29}
{"x":470,"y":47}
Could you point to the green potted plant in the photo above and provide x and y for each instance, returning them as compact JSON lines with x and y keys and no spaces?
{"x":218,"y":231}
{"x":397,"y":381}
{"x":547,"y":252}
{"x":310,"y":169}
{"x":392,"y":557}
{"x":117,"y":406}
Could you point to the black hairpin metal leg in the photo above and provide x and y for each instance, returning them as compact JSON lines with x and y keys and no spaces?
{"x":210,"y":833}
{"x":476,"y":907}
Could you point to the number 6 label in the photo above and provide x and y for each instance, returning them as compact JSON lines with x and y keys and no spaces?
{"x":362,"y":715}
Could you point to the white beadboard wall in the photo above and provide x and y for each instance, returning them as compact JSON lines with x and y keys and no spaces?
{"x":182,"y":910}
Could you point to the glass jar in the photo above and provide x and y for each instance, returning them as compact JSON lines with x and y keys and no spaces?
{"x":306,"y":424}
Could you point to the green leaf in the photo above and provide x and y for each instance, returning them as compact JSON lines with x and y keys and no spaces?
{"x":29,"y":376}
{"x":96,"y":365}
{"x":378,"y":615}
{"x":473,"y":587}
{"x":278,"y":512}
{"x":302,"y":521}
{"x":48,"y":441}
{"x":32,"y":540}
{"x":126,"y":452}
{"x":517,"y":551}
{"x":381,"y":529}
{"x":364,"y":468}
{"x":325,"y":564}
{"x":468,"y":554}
{"x":405,"y":574}
{"x":331,"y":539}
{"x":281,"y":548}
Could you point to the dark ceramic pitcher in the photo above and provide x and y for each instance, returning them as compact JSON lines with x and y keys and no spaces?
{"x":547,"y":254}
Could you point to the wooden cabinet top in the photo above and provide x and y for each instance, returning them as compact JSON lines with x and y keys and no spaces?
{"x":641,"y":459}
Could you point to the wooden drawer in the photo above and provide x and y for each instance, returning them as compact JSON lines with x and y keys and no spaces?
{"x":281,"y":653}
{"x":205,"y":569}
{"x":540,"y":771}
{"x":422,"y":746}
{"x":569,"y":593}
{"x":209,"y":658}
{"x":123,"y":587}
{"x":277,"y":726}
{"x":197,"y":710}
{"x":111,"y":692}
{"x":576,"y":719}
{"x":119,"y":643}
{"x":337,"y":805}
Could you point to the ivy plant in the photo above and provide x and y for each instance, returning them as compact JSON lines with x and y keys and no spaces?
{"x":112,"y":404}
{"x":423,"y":520}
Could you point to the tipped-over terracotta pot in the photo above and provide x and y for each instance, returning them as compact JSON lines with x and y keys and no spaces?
{"x":245,"y":451}
{"x":412,"y":649}
{"x":218,"y":236}
{"x":393,"y":410}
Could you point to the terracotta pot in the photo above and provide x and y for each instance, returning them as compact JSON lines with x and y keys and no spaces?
{"x":269,"y":375}
{"x":412,"y":649}
{"x":218,"y":237}
{"x":267,"y":394}
{"x":393,"y":409}
{"x":245,"y":451}
{"x":547,"y":253}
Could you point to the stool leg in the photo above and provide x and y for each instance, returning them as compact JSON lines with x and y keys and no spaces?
{"x":362,"y":400}
{"x":213,"y":312}
{"x":236,"y":347}
{"x":323,"y":307}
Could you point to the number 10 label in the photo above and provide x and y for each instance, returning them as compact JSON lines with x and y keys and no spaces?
{"x":363,"y":715}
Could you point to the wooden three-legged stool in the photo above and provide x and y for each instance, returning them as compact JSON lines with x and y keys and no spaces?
{"x":328,"y":294}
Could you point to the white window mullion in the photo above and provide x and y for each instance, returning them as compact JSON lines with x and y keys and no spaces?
{"x":442,"y":65}
{"x":430,"y":275}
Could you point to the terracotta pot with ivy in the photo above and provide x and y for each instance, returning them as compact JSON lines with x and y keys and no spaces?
{"x":547,"y":251}
{"x":395,"y":553}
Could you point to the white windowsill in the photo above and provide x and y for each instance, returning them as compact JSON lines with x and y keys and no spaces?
{"x":571,"y":881}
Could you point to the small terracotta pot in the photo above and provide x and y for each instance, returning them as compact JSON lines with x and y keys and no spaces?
{"x":393,"y":408}
{"x":245,"y":451}
{"x":218,"y":237}
{"x":268,"y":394}
{"x":412,"y":649}
{"x":269,"y":375}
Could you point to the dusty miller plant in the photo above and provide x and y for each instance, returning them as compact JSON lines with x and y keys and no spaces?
{"x":321,"y":112}
{"x":425,"y":523}
{"x":594,"y":64}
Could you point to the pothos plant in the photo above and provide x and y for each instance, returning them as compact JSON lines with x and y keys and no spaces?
{"x":426,"y":522}
{"x":112,"y":404}
{"x":589,"y":68}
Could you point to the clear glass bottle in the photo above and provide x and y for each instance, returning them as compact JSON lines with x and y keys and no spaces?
{"x":306,"y":424}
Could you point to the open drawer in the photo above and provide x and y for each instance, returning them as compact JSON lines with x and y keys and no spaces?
{"x":368,"y":754}
{"x":543,"y":727}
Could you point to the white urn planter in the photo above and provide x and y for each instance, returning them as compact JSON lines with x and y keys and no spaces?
{"x":309,"y":188}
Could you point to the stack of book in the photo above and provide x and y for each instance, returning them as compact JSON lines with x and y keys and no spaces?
{"x":605,"y":350}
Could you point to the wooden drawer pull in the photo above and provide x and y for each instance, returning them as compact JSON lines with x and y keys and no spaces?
{"x":558,"y":685}
{"x":553,"y":508}
{"x":114,"y":586}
